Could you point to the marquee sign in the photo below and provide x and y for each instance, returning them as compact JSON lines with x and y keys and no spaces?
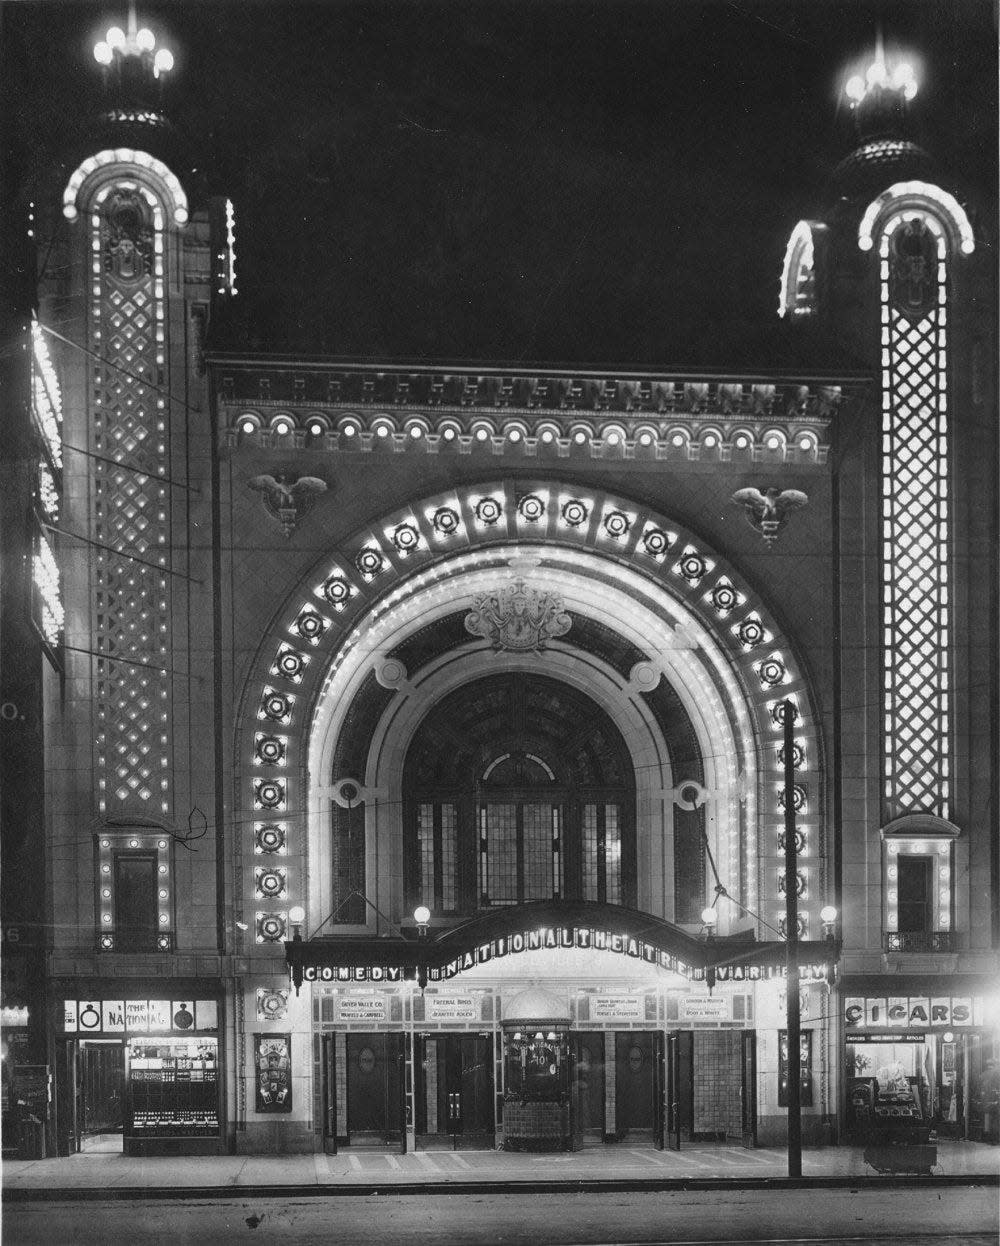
{"x":408,"y":960}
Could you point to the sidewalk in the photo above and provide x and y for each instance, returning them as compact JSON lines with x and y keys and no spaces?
{"x":110,"y":1175}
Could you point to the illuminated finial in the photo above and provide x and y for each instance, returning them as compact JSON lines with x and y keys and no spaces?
{"x":882,"y":78}
{"x":134,"y":43}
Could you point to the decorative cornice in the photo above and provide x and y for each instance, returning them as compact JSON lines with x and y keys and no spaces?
{"x":608,"y":415}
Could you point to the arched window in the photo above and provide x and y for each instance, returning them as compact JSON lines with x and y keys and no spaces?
{"x":518,"y":788}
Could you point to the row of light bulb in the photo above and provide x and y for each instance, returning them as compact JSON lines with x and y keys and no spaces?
{"x":143,"y":41}
{"x":827,"y":915}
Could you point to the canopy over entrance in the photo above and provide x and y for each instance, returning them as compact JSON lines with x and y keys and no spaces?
{"x":549,"y":925}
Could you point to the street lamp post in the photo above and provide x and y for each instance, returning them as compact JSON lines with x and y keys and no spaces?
{"x":793,"y":1026}
{"x":422,"y":916}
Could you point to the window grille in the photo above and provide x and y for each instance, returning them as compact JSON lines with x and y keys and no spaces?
{"x":913,"y":310}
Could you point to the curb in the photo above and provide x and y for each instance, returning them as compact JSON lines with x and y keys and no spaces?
{"x":408,"y":1189}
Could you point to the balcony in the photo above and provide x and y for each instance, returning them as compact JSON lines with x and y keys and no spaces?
{"x":919,"y":941}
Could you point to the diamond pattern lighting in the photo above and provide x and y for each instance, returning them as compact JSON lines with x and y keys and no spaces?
{"x":915,"y":529}
{"x":131,"y":509}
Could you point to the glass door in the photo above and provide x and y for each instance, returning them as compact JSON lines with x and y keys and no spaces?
{"x":454,"y":1092}
{"x":375,"y":1090}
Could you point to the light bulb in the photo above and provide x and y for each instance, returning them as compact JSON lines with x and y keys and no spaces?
{"x":855,"y":88}
{"x":421,"y":914}
{"x":145,"y":40}
{"x":103,"y":53}
{"x":828,"y":913}
{"x":163,"y":62}
{"x":115,"y":37}
{"x":296,"y":914}
{"x":709,"y":916}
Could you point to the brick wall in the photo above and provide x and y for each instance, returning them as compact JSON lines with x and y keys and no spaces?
{"x":717,"y":1082}
{"x":526,"y":1125}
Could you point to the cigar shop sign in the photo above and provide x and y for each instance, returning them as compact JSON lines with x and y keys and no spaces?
{"x":912,"y":1012}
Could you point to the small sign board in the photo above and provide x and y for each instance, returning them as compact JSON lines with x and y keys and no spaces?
{"x":704,"y":1008}
{"x":368,"y":1008}
{"x":617,"y":1008}
{"x":451,"y":1008}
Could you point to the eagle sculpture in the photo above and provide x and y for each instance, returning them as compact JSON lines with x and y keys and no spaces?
{"x":288,"y":501}
{"x":768,"y":511}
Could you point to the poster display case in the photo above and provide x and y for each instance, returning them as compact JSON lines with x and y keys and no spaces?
{"x":172,"y":1104}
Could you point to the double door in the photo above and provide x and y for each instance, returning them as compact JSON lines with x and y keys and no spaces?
{"x":453,"y":1091}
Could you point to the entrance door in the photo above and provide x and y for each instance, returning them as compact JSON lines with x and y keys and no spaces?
{"x":454,"y":1091}
{"x":102,"y":1091}
{"x":634,"y":1082}
{"x":748,"y":1055}
{"x":659,"y":1092}
{"x":588,"y":1090}
{"x":329,"y":1093}
{"x":679,"y":1087}
{"x":69,"y":1112}
{"x":375,"y":1090}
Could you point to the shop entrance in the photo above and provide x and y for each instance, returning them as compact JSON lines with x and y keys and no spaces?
{"x":454,"y":1091}
{"x":369,"y":1068}
{"x":90,"y":1109}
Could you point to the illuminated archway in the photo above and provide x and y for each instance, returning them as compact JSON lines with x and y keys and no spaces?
{"x":611,"y":560}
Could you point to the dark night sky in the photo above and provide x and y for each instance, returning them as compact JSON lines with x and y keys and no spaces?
{"x":563,"y":182}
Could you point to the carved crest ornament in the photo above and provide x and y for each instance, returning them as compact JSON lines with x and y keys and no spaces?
{"x":518,"y":618}
{"x":288,"y":500}
{"x":768,"y":510}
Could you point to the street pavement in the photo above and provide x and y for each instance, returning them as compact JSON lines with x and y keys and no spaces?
{"x":109,"y":1173}
{"x":925,"y":1215}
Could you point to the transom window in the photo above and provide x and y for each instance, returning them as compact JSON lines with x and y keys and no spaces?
{"x":517,"y":789}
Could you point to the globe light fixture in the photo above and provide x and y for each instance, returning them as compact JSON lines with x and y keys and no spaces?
{"x":139,"y":43}
{"x":892,"y":77}
{"x":422,"y":915}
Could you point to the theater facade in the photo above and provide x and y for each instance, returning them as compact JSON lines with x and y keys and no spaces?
{"x":417,"y":771}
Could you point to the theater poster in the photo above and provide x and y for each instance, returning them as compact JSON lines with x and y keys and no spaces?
{"x":273,"y":1065}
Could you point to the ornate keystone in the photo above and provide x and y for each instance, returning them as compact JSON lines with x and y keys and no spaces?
{"x":518,"y":618}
